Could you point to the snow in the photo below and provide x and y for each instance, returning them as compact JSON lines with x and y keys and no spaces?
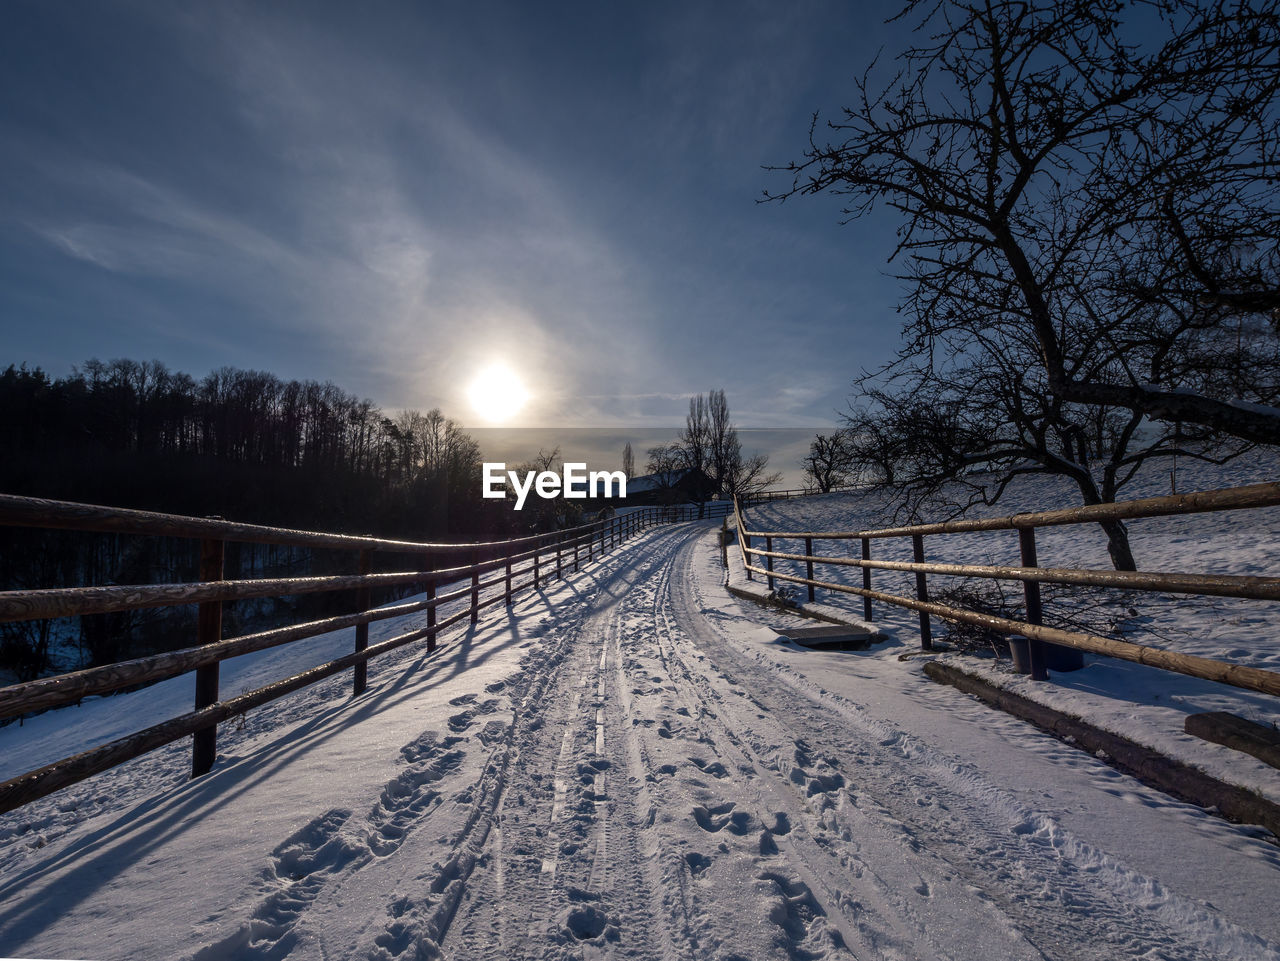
{"x":633,"y":763}
{"x":1143,"y":703}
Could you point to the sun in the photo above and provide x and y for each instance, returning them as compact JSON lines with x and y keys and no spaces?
{"x":497,"y":393}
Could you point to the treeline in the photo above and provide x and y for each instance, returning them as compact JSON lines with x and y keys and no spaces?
{"x":242,"y":444}
{"x":239,"y":444}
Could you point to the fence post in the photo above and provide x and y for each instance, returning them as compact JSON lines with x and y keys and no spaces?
{"x":808,"y":565}
{"x":431,"y":617}
{"x":1031,"y":593}
{"x":204,"y":743}
{"x":559,"y":554}
{"x":509,"y":549}
{"x":922,"y":592}
{"x":866,"y":579}
{"x":475,"y":585}
{"x":360,"y":673}
{"x":746,"y":553}
{"x":768,"y":562}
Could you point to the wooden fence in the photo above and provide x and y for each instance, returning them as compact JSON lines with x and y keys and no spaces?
{"x":764,"y":496}
{"x":512,"y":565}
{"x":1031,"y":575}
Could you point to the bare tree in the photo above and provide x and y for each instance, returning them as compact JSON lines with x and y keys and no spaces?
{"x":828,"y":464}
{"x":695,"y":439}
{"x":948,"y":437}
{"x":1090,"y":216}
{"x":709,"y":443}
{"x":1104,"y":176}
{"x":724,"y":446}
{"x":628,"y":460}
{"x":747,"y":475}
{"x":667,"y":464}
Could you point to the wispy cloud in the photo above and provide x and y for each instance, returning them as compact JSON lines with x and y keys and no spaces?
{"x":392,"y":202}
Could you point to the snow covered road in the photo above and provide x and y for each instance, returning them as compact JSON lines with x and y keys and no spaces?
{"x":632,"y":765}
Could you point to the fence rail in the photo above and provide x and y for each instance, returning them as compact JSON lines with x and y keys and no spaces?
{"x":764,"y":496}
{"x":520,"y":564}
{"x":1031,"y":575}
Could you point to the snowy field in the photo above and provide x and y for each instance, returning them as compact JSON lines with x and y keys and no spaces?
{"x":1143,"y":703}
{"x":631,"y":764}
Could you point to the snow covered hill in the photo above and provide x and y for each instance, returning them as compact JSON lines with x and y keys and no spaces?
{"x":629,"y":763}
{"x":1143,"y":703}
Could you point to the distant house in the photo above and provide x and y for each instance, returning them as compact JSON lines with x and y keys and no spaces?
{"x":669,"y":487}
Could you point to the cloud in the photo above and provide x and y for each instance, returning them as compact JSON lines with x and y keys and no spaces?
{"x":469,"y":244}
{"x":157,"y":231}
{"x":393,"y":202}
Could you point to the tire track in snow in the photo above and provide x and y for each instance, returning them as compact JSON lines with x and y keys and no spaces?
{"x":422,"y":918}
{"x":576,"y":876}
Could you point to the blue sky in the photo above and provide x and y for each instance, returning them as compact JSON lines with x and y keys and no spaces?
{"x":392,"y":195}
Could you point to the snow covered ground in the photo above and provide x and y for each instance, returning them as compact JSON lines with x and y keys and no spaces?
{"x":1143,"y":703}
{"x":629,"y":763}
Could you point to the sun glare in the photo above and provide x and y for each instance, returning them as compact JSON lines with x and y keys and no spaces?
{"x":497,"y":394}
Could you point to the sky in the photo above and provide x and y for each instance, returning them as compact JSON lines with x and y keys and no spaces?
{"x":397,"y":196}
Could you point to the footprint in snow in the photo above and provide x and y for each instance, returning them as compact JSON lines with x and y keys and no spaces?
{"x":824,"y":784}
{"x":493,"y":731}
{"x":796,"y":909}
{"x":722,"y":816}
{"x":714,"y":768}
{"x":697,"y":862}
{"x":460,"y":722}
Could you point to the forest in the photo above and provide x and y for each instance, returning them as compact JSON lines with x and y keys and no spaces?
{"x":239,"y":444}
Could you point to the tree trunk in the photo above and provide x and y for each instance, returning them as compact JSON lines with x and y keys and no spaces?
{"x":1118,"y":545}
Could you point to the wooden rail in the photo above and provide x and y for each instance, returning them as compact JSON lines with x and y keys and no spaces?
{"x":760,"y":497}
{"x":1031,"y":575}
{"x":520,"y":564}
